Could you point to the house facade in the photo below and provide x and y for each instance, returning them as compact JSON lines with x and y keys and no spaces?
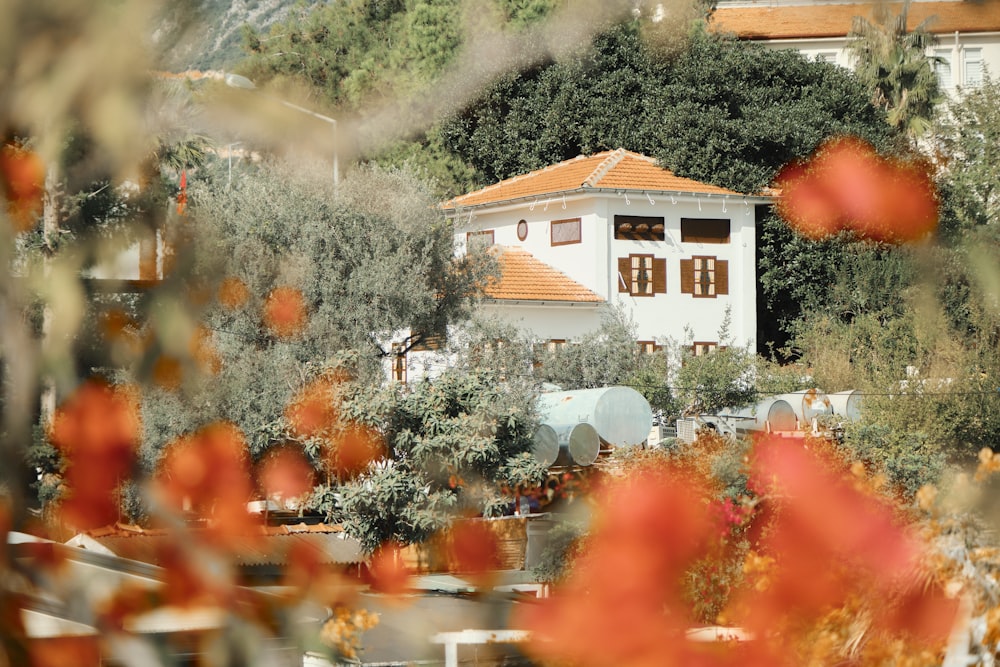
{"x":967,"y":32}
{"x":582,"y":236}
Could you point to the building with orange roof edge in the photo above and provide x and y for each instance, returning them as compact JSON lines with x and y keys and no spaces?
{"x":967,"y":31}
{"x":614,"y":229}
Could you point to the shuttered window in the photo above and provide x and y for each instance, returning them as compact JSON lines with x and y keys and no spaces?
{"x":649,"y":347}
{"x":699,"y":348}
{"x":642,"y":275}
{"x":704,"y":277}
{"x":398,"y":363}
{"x":639,"y":228}
{"x":478,"y":240}
{"x":973,"y":66}
{"x":704,"y":230}
{"x":565,"y":232}
{"x":431,"y":343}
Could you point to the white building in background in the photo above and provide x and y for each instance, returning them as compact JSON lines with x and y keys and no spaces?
{"x":968,"y":31}
{"x":579,"y":237}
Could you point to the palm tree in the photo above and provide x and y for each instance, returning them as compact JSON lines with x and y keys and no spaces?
{"x":894,"y":64}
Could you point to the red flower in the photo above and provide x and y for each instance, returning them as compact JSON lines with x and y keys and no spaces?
{"x":846,"y":185}
{"x":285,"y":312}
{"x":22,"y":181}
{"x":97,"y":431}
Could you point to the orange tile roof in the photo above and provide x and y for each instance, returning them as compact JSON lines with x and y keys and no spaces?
{"x":525,"y":278}
{"x":834,"y":20}
{"x":614,"y":170}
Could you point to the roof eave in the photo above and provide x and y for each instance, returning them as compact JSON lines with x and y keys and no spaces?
{"x":549,"y":196}
{"x":549,"y":303}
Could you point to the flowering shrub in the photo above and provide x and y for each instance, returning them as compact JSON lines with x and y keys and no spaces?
{"x":825,"y":569}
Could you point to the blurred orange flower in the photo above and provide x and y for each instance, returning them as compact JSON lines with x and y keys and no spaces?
{"x":167,"y":372}
{"x":475,"y":550}
{"x":66,"y":652}
{"x":313,"y":412}
{"x":233,"y":293}
{"x":22,"y":180}
{"x":97,"y":431}
{"x":844,"y":543}
{"x":209,"y":472}
{"x":285,"y":312}
{"x":388,"y":573}
{"x":285,"y":471}
{"x":203,"y":351}
{"x":622,"y":603}
{"x":846,"y":185}
{"x":353,"y":449}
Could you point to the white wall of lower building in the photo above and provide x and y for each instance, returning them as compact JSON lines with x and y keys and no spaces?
{"x":593,"y":261}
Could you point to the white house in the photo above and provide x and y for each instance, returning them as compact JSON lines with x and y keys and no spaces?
{"x":967,"y":31}
{"x":581,"y":236}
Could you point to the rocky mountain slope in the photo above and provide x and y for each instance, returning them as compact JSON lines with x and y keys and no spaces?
{"x":205,"y":34}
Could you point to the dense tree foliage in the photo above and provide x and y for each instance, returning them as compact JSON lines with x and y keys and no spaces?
{"x":454,"y":442}
{"x":726,"y":112}
{"x":289,"y":276}
{"x":355,"y":51}
{"x":966,"y":139}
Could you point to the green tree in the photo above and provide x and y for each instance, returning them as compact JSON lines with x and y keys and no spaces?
{"x":709,"y":113}
{"x":290,"y":279}
{"x":722,"y":378}
{"x":356,"y":51}
{"x":609,"y":356}
{"x":893,"y":63}
{"x":454,"y":443}
{"x":967,"y":141}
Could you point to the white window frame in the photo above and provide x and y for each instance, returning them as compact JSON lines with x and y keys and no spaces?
{"x":972,"y":67}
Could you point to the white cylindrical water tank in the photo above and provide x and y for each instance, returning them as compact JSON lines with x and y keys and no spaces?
{"x":545,"y":445}
{"x":770,"y":414}
{"x":847,"y":404}
{"x":808,"y":404}
{"x":580,"y":442}
{"x":620,"y":415}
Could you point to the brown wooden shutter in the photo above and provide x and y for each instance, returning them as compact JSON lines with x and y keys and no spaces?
{"x":659,"y":275}
{"x":687,"y":276}
{"x":721,"y":276}
{"x":624,"y":274}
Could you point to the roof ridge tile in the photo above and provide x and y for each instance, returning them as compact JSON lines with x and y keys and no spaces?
{"x":604,"y":167}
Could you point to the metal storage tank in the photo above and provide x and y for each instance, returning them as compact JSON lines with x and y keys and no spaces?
{"x":620,"y":415}
{"x":566,"y":444}
{"x":770,"y":414}
{"x":847,"y":403}
{"x":808,"y":405}
{"x":545,"y":447}
{"x":579,"y":443}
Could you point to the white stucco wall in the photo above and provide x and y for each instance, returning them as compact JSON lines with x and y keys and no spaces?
{"x":594,"y":262}
{"x":956,"y":48}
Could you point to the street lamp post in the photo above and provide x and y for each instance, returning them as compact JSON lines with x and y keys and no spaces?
{"x":237,"y":81}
